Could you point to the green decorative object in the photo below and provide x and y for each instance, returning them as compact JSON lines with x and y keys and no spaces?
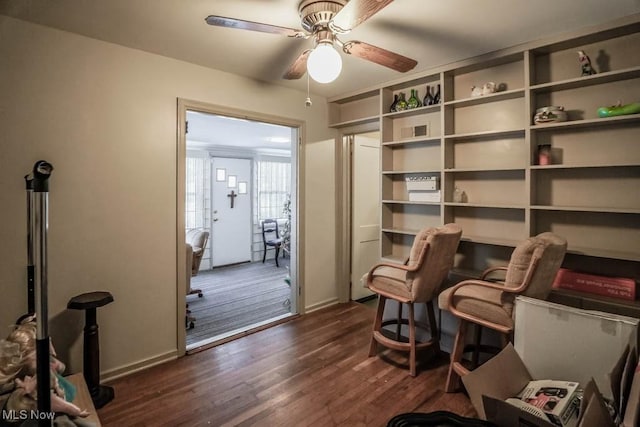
{"x":402,"y":103}
{"x":414,"y":101}
{"x":619,"y":110}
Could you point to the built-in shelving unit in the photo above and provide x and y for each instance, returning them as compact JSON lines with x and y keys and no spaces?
{"x":488,"y":146}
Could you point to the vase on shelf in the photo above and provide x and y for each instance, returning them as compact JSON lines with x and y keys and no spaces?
{"x":392,"y":108}
{"x":414,"y":101}
{"x":436,"y":96}
{"x":428,"y":98}
{"x":402,"y":103}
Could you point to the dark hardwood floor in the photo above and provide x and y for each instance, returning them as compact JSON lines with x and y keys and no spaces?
{"x":311,"y":371}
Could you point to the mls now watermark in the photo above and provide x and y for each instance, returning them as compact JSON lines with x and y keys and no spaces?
{"x":24,"y":414}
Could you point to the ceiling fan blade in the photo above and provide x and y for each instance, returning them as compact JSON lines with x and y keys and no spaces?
{"x":221,"y":21}
{"x":380,"y":56}
{"x":299,"y":66}
{"x":355,"y":13}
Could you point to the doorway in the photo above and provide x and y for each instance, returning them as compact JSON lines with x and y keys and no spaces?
{"x":239,"y":154}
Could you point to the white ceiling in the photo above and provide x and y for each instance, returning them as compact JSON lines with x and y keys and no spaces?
{"x":210,"y":132}
{"x":432,"y":32}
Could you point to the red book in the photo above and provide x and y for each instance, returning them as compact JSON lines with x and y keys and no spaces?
{"x":614,"y":287}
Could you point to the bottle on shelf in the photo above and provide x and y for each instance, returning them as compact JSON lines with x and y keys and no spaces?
{"x":459,"y":196}
{"x":402,"y":103}
{"x":392,"y":108}
{"x":436,"y":96}
{"x":414,"y":101}
{"x":428,"y":98}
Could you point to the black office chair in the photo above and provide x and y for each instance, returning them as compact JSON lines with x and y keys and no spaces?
{"x":271,"y":238}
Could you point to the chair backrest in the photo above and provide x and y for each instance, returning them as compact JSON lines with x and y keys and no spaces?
{"x":270,"y":229}
{"x":198,"y":240}
{"x":549,"y":250}
{"x":443,"y":242}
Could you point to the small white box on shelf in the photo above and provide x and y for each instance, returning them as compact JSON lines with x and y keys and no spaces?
{"x":424,"y":196}
{"x":423,"y":183}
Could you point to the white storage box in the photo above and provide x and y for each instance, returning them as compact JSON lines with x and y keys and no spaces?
{"x":424,"y":196}
{"x":424,"y":183}
{"x":565,"y":343}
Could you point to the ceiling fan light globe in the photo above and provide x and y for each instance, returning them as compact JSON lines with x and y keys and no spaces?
{"x":324,"y":63}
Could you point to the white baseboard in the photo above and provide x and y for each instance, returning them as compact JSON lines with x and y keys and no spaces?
{"x":122,"y":371}
{"x":320,"y":305}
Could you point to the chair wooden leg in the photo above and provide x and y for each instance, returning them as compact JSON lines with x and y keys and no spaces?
{"x":377,"y":324}
{"x":264,"y":253}
{"x":453,"y":379}
{"x":475,"y":358}
{"x":277,"y":253}
{"x":412,"y":341}
{"x":433,"y":326}
{"x":399,"y":325}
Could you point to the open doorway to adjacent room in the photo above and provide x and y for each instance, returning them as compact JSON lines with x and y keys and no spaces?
{"x":240,"y":222}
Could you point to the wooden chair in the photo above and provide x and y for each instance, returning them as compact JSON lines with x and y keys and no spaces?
{"x":417,"y":281}
{"x":271,"y":238}
{"x":531,"y":271}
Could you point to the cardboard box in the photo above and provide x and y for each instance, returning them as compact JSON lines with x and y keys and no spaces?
{"x":565,"y":343}
{"x":614,"y":287}
{"x":555,"y":342}
{"x":505,"y":376}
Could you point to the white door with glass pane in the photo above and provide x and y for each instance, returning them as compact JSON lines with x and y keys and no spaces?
{"x":231,"y":211}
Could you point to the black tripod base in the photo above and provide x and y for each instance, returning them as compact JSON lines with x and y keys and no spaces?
{"x":104,"y":395}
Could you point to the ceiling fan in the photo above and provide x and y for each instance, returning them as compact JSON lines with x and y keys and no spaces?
{"x":324,"y":21}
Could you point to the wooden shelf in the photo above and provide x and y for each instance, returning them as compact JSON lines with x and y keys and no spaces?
{"x":585,"y":166}
{"x":410,"y":141}
{"x":408,"y":232}
{"x":486,"y":134}
{"x":362,"y":121}
{"x":485,"y":205}
{"x":413,"y":112}
{"x":595,"y":79}
{"x":485,"y":99}
{"x":585,"y":209}
{"x":409,"y":202}
{"x":454,"y":170}
{"x":486,"y":145}
{"x":587,"y":123}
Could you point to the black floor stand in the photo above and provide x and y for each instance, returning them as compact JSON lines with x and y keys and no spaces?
{"x":100,"y":394}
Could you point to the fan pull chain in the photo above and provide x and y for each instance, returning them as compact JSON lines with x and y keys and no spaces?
{"x":307,"y":101}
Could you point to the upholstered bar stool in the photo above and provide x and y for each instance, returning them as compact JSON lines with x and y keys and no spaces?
{"x":531,"y":271}
{"x":417,"y":281}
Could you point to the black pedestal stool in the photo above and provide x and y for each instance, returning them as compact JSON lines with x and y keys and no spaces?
{"x":100,"y":394}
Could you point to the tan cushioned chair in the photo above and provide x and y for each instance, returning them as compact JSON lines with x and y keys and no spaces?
{"x":198,"y":240}
{"x":418,"y":281}
{"x":531,"y":270}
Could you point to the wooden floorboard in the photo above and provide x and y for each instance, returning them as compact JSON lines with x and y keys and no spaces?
{"x":311,"y":371}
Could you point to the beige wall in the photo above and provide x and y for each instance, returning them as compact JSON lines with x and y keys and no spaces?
{"x":105,"y":117}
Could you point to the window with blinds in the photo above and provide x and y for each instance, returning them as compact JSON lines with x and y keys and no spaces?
{"x":273,"y":184}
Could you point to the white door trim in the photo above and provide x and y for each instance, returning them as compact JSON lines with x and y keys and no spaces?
{"x":343,"y":208}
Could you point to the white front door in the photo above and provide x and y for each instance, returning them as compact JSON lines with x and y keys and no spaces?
{"x":231,"y":229}
{"x":365,"y":210}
